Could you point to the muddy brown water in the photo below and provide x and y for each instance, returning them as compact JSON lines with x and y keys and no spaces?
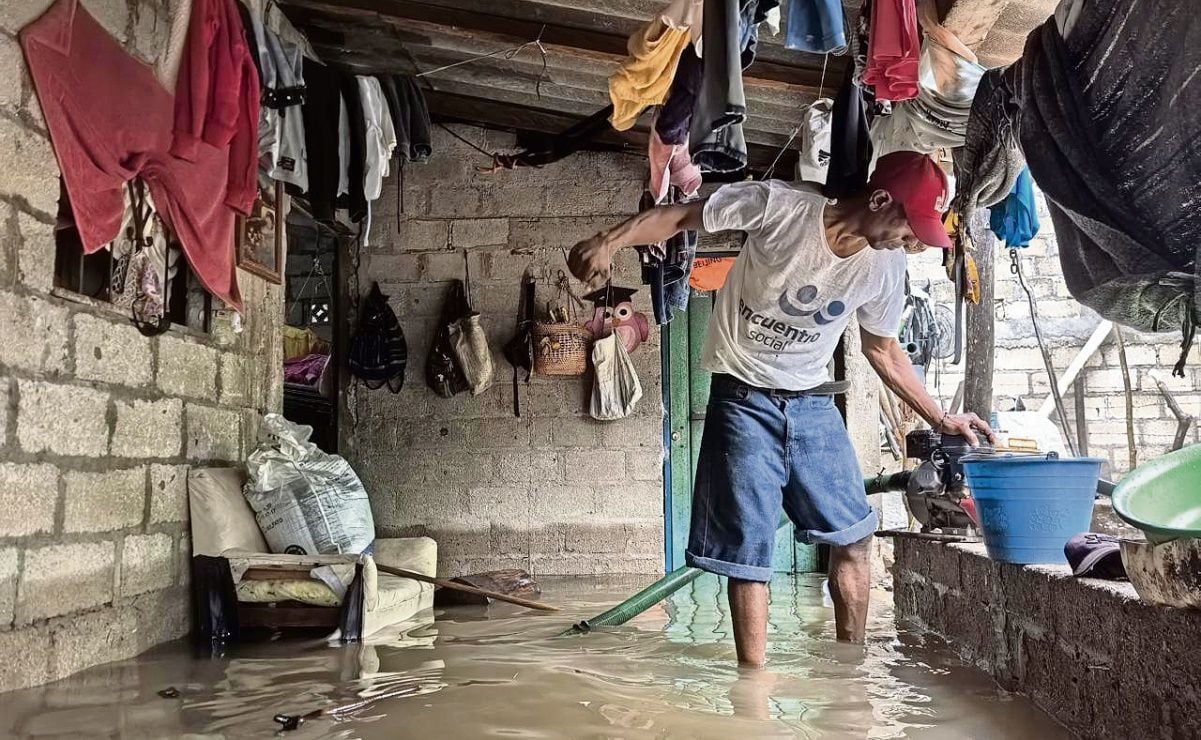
{"x":501,"y":672}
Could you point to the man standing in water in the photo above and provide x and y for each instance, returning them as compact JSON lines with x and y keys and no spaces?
{"x":771,"y":435}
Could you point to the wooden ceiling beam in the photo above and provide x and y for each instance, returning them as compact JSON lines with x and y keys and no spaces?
{"x":519,"y":21}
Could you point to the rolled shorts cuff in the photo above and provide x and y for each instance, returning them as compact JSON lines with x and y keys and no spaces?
{"x":729,"y":570}
{"x":849,"y":536}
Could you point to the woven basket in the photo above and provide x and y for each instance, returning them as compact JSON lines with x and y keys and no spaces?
{"x":561,"y":349}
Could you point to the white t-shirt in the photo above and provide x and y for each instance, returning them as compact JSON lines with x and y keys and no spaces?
{"x":788,"y":297}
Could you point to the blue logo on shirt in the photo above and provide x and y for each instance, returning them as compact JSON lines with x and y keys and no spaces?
{"x":806,"y":296}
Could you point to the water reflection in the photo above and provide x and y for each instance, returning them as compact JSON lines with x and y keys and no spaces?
{"x":501,"y":672}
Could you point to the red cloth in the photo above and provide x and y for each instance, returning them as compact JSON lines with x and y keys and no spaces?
{"x":217,"y":96}
{"x":892,"y":50}
{"x":110,"y":120}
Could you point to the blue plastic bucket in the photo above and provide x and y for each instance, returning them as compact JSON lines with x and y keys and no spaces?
{"x":1030,"y":506}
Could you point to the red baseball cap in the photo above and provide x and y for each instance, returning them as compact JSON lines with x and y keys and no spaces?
{"x":920,"y":186}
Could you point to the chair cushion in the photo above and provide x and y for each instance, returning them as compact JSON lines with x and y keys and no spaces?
{"x":315,"y":593}
{"x":221,"y":518}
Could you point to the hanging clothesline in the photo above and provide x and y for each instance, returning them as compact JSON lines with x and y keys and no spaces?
{"x":505,"y":53}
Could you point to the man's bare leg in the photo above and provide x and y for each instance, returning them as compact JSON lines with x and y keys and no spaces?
{"x":748,"y":607}
{"x":850,"y":588}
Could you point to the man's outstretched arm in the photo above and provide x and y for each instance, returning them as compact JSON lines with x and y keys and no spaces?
{"x":590,"y":260}
{"x":892,"y":364}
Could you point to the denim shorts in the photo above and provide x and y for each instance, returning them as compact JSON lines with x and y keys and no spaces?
{"x":762,"y":451}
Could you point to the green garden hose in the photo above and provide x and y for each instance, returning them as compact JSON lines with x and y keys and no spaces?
{"x":682,"y":576}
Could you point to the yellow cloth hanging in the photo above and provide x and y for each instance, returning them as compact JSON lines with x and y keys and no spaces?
{"x":645,"y":76}
{"x":299,"y":342}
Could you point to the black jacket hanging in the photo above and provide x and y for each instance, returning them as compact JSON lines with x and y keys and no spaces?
{"x":379,"y":352}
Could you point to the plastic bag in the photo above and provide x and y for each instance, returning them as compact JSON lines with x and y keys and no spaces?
{"x":306,"y":502}
{"x":470,"y":346}
{"x":616,"y":389}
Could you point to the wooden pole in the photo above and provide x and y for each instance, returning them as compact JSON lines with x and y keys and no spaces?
{"x":978,"y":359}
{"x":443,"y":583}
{"x":1132,"y":450}
{"x":1081,"y":422}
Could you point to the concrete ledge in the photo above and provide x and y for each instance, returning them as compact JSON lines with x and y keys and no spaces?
{"x":1086,"y":651}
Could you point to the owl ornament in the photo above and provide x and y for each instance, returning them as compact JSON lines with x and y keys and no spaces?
{"x":614,"y":312}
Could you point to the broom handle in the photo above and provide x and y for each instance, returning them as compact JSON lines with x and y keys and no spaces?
{"x":464,"y":587}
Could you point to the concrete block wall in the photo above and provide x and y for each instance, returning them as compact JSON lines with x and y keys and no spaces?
{"x":99,"y":424}
{"x":1086,"y":651}
{"x":1066,"y":326}
{"x":553,"y":491}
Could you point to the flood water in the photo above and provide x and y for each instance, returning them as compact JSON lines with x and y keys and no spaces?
{"x":500,"y":672}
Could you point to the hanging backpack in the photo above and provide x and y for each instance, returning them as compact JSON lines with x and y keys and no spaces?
{"x":442,"y":371}
{"x":379,"y":352}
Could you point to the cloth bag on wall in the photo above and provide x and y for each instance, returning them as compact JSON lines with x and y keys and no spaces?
{"x":442,"y":371}
{"x":469,"y":344}
{"x":615,"y":390}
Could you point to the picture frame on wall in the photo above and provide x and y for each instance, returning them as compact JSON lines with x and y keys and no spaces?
{"x":260,"y":236}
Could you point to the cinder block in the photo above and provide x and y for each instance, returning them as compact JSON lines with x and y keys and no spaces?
{"x":1111,"y":379}
{"x":28,"y":498}
{"x":644,"y":537}
{"x":505,"y":539}
{"x":9,"y":573}
{"x":31,"y":169}
{"x":497,"y":433}
{"x":463,"y":542}
{"x":500,"y":505}
{"x":1137,"y":355}
{"x":212,"y":433}
{"x":1018,"y":358}
{"x":449,"y":265}
{"x":101,"y":502}
{"x":630,"y":500}
{"x":26,"y":651}
{"x":61,"y":579}
{"x":630,"y":435}
{"x":479,"y":232}
{"x":102,"y":636}
{"x":236,"y":380}
{"x":418,"y":235}
{"x":509,"y":267}
{"x":148,"y":428}
{"x":111,"y":352}
{"x":394,"y":268}
{"x":251,"y":422}
{"x":34,"y":331}
{"x":147,"y":563}
{"x":539,"y":233}
{"x":644,"y":465}
{"x":555,"y":502}
{"x":10,"y":83}
{"x":588,"y":466}
{"x":62,"y":419}
{"x":445,"y":200}
{"x":35,"y":255}
{"x":168,"y":493}
{"x":594,"y":537}
{"x":539,"y":466}
{"x":186,"y":368}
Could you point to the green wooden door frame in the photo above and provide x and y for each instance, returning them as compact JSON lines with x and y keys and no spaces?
{"x":686,"y":396}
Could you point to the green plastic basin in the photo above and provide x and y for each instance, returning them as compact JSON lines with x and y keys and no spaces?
{"x":1163,"y":497}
